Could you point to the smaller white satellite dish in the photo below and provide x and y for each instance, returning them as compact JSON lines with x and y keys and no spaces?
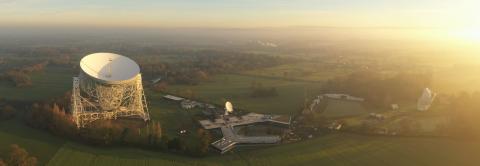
{"x":425,"y":100}
{"x":228,"y":108}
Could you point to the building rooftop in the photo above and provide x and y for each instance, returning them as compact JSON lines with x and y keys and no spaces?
{"x":249,"y":118}
{"x":175,"y":98}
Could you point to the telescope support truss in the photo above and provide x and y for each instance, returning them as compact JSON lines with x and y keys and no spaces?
{"x":122,"y":100}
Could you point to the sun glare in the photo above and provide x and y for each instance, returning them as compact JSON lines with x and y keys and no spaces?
{"x":467,"y":34}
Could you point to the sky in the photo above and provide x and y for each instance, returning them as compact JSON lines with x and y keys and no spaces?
{"x":241,"y":13}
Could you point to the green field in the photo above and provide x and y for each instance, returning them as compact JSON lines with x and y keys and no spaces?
{"x":445,"y":73}
{"x":236,"y":88}
{"x":52,"y":82}
{"x":170,"y":115}
{"x":310,"y":71}
{"x":341,"y":108}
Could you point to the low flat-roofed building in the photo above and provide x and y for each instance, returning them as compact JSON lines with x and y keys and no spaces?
{"x":173,"y":98}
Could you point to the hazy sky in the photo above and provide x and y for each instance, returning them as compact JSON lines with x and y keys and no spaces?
{"x":241,"y":13}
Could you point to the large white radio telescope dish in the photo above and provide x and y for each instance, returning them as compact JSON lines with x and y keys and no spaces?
{"x":109,"y":67}
{"x":229,"y":107}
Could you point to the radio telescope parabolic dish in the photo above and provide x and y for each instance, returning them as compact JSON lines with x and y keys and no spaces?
{"x":109,"y":67}
{"x":229,"y":107}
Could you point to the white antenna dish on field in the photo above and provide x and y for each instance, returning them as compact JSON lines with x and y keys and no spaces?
{"x":228,"y":108}
{"x":425,"y":100}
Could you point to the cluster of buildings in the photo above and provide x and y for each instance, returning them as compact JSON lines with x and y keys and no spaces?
{"x":226,"y":122}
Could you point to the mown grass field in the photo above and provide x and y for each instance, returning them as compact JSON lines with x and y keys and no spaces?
{"x":236,"y":88}
{"x":170,"y":115}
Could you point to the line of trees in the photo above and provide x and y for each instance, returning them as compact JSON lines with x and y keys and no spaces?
{"x":20,"y":76}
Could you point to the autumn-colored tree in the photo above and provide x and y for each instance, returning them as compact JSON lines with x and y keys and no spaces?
{"x":39,"y":116}
{"x":62,"y":123}
{"x":19,"y":78}
{"x":205,"y":139}
{"x":157,"y":132}
{"x":154,"y":132}
{"x":20,"y":157}
{"x":7,"y":112}
{"x":201,"y":75}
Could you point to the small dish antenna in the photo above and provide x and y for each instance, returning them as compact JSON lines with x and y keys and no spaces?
{"x":228,"y":108}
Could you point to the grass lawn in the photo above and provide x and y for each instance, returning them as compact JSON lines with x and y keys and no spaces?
{"x":335,"y":149}
{"x":236,"y":88}
{"x":170,"y":115}
{"x":340,"y":108}
{"x":52,"y":82}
